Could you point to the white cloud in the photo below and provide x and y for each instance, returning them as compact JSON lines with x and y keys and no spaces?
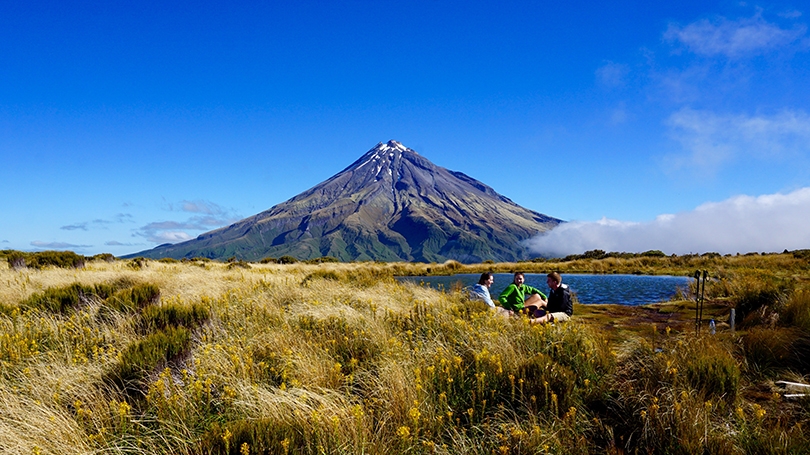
{"x":76,"y":226}
{"x":791,"y":14}
{"x":612,"y":74}
{"x":117,"y":243}
{"x":206,"y":207}
{"x":212,"y":216}
{"x":85,"y":225}
{"x":619,"y":115}
{"x":169,"y":237}
{"x":770,"y":223}
{"x":57,"y":245}
{"x":712,"y":139}
{"x":733,"y":39}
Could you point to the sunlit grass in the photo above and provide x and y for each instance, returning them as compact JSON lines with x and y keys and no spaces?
{"x":199,"y":357}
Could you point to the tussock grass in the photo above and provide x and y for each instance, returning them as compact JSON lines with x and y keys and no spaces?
{"x":797,"y":311}
{"x":198,"y":357}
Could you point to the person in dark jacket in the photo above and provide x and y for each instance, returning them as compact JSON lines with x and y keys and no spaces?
{"x":559,"y":306}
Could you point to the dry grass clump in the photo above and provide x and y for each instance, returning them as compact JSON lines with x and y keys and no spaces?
{"x":797,"y":311}
{"x":198,"y":357}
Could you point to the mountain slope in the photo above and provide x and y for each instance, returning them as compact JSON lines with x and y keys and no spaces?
{"x":390,"y":205}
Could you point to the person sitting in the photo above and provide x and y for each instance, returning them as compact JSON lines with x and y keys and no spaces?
{"x":559,"y":306}
{"x":519,"y":296}
{"x":481,"y":292}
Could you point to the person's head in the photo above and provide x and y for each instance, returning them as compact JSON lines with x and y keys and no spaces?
{"x":519,"y":278}
{"x":554,"y":280}
{"x":486,"y":279}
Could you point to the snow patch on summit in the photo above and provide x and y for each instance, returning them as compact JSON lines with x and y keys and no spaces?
{"x":392,"y":146}
{"x":389,"y":151}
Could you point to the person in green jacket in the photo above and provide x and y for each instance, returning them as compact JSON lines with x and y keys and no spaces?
{"x":519,"y":295}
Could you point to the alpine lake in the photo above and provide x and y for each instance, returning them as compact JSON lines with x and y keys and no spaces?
{"x":631,"y":290}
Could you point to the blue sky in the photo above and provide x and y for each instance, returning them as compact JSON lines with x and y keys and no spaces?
{"x":681,"y":127}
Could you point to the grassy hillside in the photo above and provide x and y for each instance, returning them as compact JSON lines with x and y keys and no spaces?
{"x":200,"y":357}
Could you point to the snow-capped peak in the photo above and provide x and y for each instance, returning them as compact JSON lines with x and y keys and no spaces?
{"x":392,"y":145}
{"x":387,"y":150}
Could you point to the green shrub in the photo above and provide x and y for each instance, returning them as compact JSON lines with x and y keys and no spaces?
{"x":801,"y":254}
{"x":547,"y":385}
{"x":271,"y":365}
{"x":322,"y":260}
{"x":581,"y":349}
{"x":195,"y":259}
{"x":320,"y":275}
{"x":238,"y":264}
{"x":16,"y":259}
{"x":134,"y":298}
{"x":771,"y":350}
{"x":106,"y":257}
{"x":370,"y":276}
{"x":137,"y":263}
{"x":287,"y":260}
{"x":62,"y":259}
{"x":753,"y":301}
{"x":168,"y":260}
{"x":773,"y":439}
{"x":6,"y":310}
{"x":58,"y":300}
{"x":155,"y":317}
{"x":347,"y":342}
{"x":711,"y":370}
{"x":148,"y":355}
{"x":270,"y":436}
{"x":120,"y":295}
{"x":797,"y":311}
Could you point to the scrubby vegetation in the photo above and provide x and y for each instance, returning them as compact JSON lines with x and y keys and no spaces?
{"x":38,"y":260}
{"x":201,"y":357}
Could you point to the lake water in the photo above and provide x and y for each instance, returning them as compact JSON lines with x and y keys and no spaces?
{"x":590,"y":289}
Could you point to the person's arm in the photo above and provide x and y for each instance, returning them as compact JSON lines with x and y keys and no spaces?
{"x":504,"y":297}
{"x":479,"y":292}
{"x":487,"y":298}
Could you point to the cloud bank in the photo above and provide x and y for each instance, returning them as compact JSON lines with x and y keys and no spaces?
{"x":742,"y":224}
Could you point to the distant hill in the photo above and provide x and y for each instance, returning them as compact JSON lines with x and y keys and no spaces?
{"x":390,"y":205}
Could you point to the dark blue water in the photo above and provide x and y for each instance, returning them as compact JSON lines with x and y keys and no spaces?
{"x":590,"y":289}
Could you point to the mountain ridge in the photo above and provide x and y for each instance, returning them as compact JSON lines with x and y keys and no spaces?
{"x":391,"y":204}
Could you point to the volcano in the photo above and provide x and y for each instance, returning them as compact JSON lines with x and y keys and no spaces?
{"x":391,"y":204}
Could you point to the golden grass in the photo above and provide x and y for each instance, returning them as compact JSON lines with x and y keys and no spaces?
{"x":341,"y":358}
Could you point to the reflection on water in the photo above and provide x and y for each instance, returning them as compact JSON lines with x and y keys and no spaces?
{"x":621,"y":289}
